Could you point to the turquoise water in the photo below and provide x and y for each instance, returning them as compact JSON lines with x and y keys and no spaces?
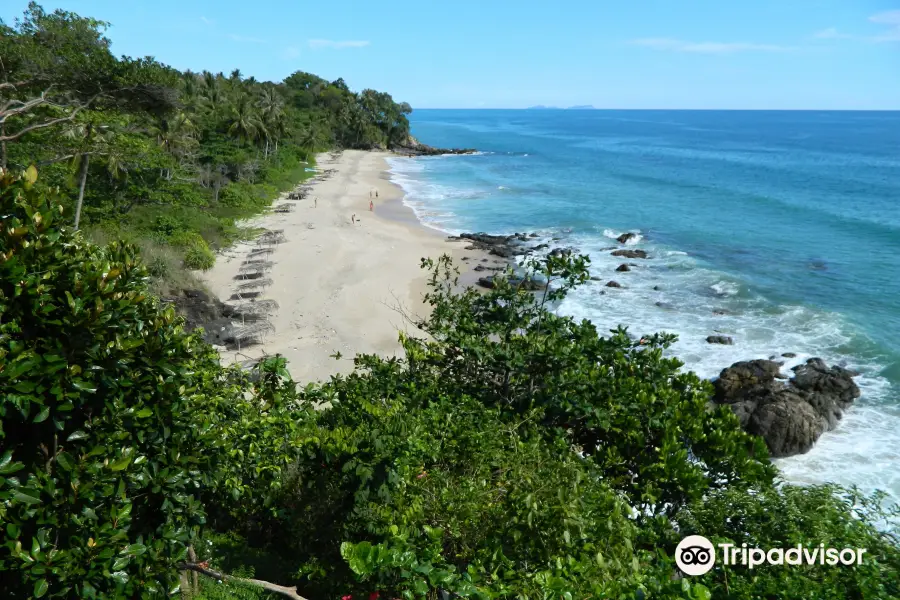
{"x":789,"y":221}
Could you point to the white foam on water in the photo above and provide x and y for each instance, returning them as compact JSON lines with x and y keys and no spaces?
{"x":614,"y":235}
{"x":671,"y":292}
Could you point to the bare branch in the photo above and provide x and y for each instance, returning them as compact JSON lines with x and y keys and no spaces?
{"x":52,"y":122}
{"x":14,"y":85}
{"x":290,"y":592}
{"x":37,"y":101}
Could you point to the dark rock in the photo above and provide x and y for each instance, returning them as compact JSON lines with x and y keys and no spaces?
{"x":626,"y":237}
{"x":480,"y":268}
{"x":484,"y":260}
{"x":720,"y":311}
{"x":665,"y":305}
{"x":631,"y":253}
{"x":789,"y":355}
{"x":466,"y":258}
{"x":525,"y":284}
{"x":560,"y":252}
{"x":594,"y":278}
{"x":788,"y":427}
{"x":790,"y":416}
{"x":541,"y":246}
{"x":412,"y":147}
{"x":623,"y":268}
{"x":533,"y":235}
{"x":614,"y":284}
{"x":719,"y":339}
{"x":657,"y":288}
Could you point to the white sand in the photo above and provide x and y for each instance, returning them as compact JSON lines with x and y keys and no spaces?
{"x":338,"y":285}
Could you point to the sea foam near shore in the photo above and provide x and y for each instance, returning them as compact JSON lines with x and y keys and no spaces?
{"x":678,"y":293}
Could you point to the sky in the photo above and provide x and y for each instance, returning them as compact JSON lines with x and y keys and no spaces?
{"x":642,"y":54}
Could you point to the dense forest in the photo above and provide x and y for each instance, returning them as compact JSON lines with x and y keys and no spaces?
{"x":167,"y":159}
{"x":510,"y":452}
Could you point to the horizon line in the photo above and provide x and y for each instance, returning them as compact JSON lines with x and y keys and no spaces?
{"x":563,"y":108}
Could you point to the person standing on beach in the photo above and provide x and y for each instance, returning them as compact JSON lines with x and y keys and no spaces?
{"x":371,"y":206}
{"x":376,"y":193}
{"x":353,"y":218}
{"x":316,"y":202}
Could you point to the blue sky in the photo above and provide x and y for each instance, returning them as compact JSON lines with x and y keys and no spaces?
{"x":752,"y":54}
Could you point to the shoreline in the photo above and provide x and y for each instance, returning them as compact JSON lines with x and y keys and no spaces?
{"x":340,"y":286}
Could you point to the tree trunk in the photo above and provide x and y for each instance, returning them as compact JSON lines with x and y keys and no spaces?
{"x":85,"y":159}
{"x":267,"y":147}
{"x":2,"y":147}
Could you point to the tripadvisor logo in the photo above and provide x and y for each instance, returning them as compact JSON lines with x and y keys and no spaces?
{"x":695,"y":555}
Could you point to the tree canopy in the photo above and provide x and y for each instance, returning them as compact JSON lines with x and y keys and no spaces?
{"x":510,"y":452}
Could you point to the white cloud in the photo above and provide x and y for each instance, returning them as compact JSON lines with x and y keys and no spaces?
{"x":890,"y":18}
{"x":338,"y":44}
{"x":246,"y":39}
{"x":707,"y":47}
{"x":207,"y":21}
{"x":831,"y":34}
{"x":290,"y":52}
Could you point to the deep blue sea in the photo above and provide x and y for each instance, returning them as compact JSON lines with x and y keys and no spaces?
{"x":789,"y":221}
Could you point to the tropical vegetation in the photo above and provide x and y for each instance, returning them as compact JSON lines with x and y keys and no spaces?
{"x":168,"y":160}
{"x":509,"y":452}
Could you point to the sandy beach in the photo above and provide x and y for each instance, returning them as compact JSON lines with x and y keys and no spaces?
{"x":340,"y":286}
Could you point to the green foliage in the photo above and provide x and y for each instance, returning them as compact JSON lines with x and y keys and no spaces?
{"x":154,"y":140}
{"x":809,"y":516}
{"x":114,"y":423}
{"x":97,"y":475}
{"x":510,"y":452}
{"x":489,"y":462}
{"x":199,"y":258}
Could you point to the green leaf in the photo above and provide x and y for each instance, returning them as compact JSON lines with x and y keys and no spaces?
{"x":31,"y":174}
{"x":83,"y":386}
{"x":7,"y":467}
{"x":123,"y":461}
{"x":144,"y":413}
{"x":120,"y":577}
{"x":40,"y":588}
{"x":42,"y":416}
{"x":76,"y":435}
{"x":64,"y":460}
{"x":28,"y":498}
{"x":134,"y":550}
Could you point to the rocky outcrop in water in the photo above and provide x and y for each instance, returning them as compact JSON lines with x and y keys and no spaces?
{"x":525,"y":284}
{"x":719,"y":339}
{"x":631,"y":253}
{"x":626,"y":237}
{"x":789,"y":415}
{"x":504,"y":246}
{"x":623,"y":268}
{"x":412,"y":147}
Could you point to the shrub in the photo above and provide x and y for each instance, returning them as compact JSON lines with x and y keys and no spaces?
{"x":187,"y":239}
{"x":199,"y":258}
{"x":99,"y":459}
{"x":166,"y":225}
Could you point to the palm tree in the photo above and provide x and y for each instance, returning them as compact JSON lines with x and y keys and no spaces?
{"x":243,"y":121}
{"x":90,"y":137}
{"x":309,"y":138}
{"x":176,"y":136}
{"x":271,"y":108}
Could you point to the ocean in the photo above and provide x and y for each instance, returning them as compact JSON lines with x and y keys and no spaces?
{"x":788,"y":221}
